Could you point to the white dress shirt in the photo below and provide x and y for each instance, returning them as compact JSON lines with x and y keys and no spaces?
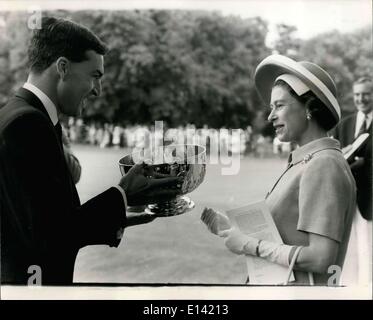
{"x":47,"y":103}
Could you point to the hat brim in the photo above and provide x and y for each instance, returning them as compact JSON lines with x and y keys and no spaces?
{"x":275,"y":65}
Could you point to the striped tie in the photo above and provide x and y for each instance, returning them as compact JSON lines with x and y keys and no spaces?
{"x":363,"y":127}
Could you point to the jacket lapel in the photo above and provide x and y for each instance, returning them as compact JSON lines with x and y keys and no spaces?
{"x":31,"y":99}
{"x":35,"y":102}
{"x":349,"y":130}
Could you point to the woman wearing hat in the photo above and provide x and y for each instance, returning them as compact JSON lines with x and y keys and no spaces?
{"x":313,"y":201}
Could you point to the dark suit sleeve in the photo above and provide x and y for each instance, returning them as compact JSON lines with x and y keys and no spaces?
{"x":363,"y":177}
{"x":40,"y":194}
{"x":345,"y":133}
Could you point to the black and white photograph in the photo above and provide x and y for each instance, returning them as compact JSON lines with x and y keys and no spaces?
{"x":201,"y":149}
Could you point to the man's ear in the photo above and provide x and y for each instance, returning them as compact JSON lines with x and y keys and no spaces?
{"x":62,"y":67}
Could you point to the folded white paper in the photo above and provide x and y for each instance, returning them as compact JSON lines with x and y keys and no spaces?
{"x":356,"y":145}
{"x":256,"y":221}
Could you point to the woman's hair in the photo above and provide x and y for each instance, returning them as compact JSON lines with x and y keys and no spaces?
{"x":319,"y":111}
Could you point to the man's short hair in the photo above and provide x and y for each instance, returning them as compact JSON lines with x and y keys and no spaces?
{"x":363,"y":80}
{"x":61,"y":38}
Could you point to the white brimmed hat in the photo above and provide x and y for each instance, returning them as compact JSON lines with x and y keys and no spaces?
{"x":310,"y":74}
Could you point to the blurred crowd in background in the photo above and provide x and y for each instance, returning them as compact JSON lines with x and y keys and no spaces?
{"x":108,"y":135}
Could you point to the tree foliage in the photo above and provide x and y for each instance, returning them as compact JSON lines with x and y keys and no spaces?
{"x":287,"y":43}
{"x":177,"y":66}
{"x":345,"y":56}
{"x":186,"y":66}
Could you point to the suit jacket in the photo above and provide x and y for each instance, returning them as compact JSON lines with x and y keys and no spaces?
{"x":345,"y":132}
{"x":42,"y":220}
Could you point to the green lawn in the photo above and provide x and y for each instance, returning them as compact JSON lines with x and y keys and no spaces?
{"x":174,"y":249}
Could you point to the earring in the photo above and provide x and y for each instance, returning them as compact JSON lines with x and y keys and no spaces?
{"x":309,"y":116}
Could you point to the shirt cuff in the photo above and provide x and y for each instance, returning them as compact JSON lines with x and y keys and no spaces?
{"x":121,"y":230}
{"x":123,"y":195}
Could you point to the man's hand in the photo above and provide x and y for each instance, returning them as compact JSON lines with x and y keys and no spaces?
{"x":357,"y":163}
{"x":215,"y":221}
{"x":144,"y":186}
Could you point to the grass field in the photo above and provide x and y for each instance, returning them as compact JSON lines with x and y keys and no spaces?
{"x":174,"y":249}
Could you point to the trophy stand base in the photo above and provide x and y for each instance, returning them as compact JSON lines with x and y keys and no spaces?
{"x":171,"y":208}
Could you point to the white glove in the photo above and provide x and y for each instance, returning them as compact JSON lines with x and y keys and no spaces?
{"x":215,"y":221}
{"x":238,"y":242}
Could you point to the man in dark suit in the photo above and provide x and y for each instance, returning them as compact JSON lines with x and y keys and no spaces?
{"x":361,"y":166}
{"x":348,"y":130}
{"x":43,"y":224}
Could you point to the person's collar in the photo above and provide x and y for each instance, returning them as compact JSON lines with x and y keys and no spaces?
{"x":305,"y":152}
{"x":48,"y":104}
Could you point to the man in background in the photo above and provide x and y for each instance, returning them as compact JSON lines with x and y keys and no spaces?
{"x":348,"y":130}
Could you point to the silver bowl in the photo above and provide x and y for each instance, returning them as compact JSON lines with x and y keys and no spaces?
{"x":185,"y":160}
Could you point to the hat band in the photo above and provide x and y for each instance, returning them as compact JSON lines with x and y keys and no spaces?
{"x":294,"y":82}
{"x":316,"y":81}
{"x":325,"y":91}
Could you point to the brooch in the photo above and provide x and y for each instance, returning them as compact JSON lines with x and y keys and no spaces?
{"x":307,"y":158}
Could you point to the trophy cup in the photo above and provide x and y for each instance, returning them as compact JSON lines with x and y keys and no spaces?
{"x":185,"y":160}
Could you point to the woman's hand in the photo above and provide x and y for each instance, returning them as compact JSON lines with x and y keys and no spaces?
{"x":215,"y":221}
{"x":317,"y":257}
{"x":238,"y":242}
